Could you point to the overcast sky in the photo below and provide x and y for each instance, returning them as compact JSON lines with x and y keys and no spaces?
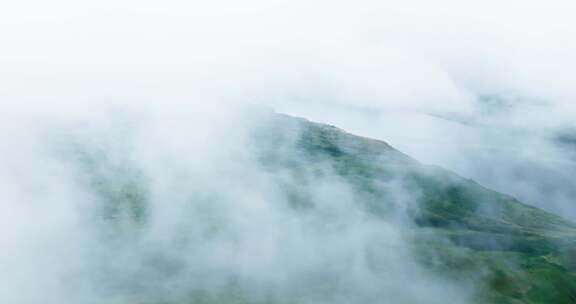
{"x":417,"y":54}
{"x":387,"y":69}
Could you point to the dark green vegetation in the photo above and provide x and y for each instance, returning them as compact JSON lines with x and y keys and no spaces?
{"x":511,"y":252}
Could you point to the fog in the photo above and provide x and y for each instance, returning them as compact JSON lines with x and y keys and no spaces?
{"x":132,"y":206}
{"x":97,"y":98}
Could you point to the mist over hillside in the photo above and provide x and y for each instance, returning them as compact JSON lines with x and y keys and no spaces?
{"x":276,"y":151}
{"x":257,"y":207}
{"x":522,"y":148}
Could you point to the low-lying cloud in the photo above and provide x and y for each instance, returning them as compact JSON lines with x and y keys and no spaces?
{"x":482,"y":89}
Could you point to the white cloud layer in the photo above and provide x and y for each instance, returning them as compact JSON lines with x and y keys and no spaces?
{"x":410,"y":72}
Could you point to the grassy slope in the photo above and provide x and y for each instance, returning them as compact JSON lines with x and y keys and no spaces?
{"x":516,"y":253}
{"x":521,"y":254}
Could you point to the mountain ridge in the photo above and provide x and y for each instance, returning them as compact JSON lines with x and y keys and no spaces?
{"x":504,"y":251}
{"x":467,"y":214}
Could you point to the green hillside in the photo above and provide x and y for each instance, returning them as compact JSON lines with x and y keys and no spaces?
{"x":518,"y":253}
{"x":503,"y":250}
